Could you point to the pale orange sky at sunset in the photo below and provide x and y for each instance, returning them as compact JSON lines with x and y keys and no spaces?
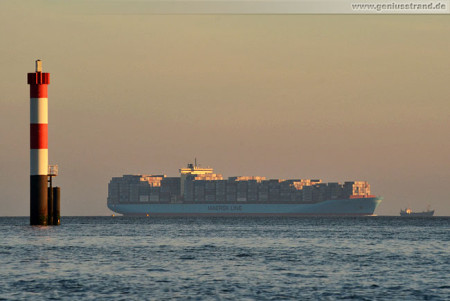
{"x":335,"y":97}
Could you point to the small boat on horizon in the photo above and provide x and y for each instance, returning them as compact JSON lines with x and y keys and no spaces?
{"x":409,"y":213}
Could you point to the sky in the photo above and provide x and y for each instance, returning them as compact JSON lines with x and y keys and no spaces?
{"x":335,"y":97}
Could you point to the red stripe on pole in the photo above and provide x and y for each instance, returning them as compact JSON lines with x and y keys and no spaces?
{"x":38,"y":91}
{"x":39,"y":136}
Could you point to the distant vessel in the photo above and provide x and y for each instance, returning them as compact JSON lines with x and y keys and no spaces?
{"x":199,"y":191}
{"x":409,"y":213}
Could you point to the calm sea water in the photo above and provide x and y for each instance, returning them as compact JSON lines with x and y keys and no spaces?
{"x":104,"y":258}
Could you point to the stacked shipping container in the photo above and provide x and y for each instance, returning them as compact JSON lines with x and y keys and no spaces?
{"x":211,"y":188}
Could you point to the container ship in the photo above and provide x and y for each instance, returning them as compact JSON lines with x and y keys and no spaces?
{"x":199,"y":191}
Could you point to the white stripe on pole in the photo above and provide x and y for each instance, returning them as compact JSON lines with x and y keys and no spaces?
{"x":38,"y":110}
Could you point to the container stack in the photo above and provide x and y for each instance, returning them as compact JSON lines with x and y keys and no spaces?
{"x":242,"y":191}
{"x":286,"y":191}
{"x":231,"y":190}
{"x":307,"y":194}
{"x":212,"y":188}
{"x":263,"y":191}
{"x":199,"y":190}
{"x":154,"y":194}
{"x":221,"y":191}
{"x":274,"y":190}
{"x":210,"y":191}
{"x":320,"y":192}
{"x":252,"y":190}
{"x":356,"y":188}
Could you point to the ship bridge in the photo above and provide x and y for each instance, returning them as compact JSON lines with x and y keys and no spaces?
{"x":193,"y":171}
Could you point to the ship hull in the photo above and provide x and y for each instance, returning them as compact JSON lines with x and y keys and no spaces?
{"x":347,"y":207}
{"x":417,"y":214}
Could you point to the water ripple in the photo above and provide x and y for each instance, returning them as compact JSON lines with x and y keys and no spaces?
{"x":118,"y":258}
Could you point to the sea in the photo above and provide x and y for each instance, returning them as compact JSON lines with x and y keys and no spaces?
{"x":226,"y":258}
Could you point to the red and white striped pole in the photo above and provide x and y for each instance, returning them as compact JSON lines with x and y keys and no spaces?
{"x":38,"y":82}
